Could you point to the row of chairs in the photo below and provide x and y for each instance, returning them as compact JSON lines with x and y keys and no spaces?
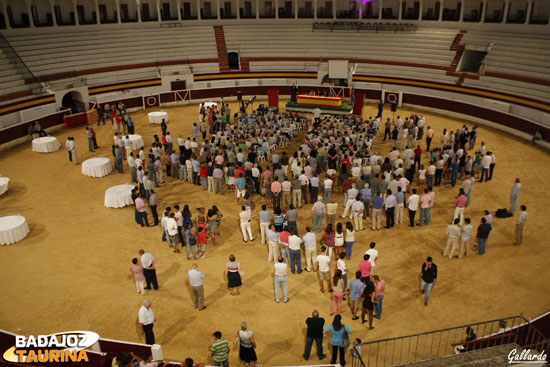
{"x":364,"y":26}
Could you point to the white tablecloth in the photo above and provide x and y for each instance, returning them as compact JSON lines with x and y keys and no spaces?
{"x":118,"y":196}
{"x":210,"y":104}
{"x":137,"y":141}
{"x":4,"y":182}
{"x":13,"y":229}
{"x":46,"y":144}
{"x":96,"y":167}
{"x":156,"y":117}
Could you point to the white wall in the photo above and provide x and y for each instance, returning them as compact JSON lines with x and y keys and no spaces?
{"x":66,"y":9}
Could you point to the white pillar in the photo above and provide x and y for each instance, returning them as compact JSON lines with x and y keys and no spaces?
{"x":440,"y":16}
{"x":29,"y":11}
{"x":380,"y":7}
{"x":420,"y":11}
{"x":76,"y":21}
{"x":138,"y":7}
{"x":52,"y":9}
{"x":117,"y":10}
{"x":505,"y":13}
{"x":158,"y":11}
{"x":333,"y":9}
{"x":461,"y":18}
{"x":218,"y":9}
{"x":179,"y":9}
{"x":528,"y":14}
{"x":276,"y":9}
{"x":400,"y":10}
{"x":238,"y":9}
{"x":483,"y":11}
{"x":295,"y":9}
{"x":199,"y":9}
{"x":257,"y":9}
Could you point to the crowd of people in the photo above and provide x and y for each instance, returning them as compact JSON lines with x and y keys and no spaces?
{"x":237,"y":155}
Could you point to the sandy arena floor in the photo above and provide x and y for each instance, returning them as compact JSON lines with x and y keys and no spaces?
{"x":72,"y":271}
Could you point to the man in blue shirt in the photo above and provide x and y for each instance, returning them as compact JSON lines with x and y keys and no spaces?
{"x":377,"y":203}
{"x":356,"y":288}
{"x":365,"y":196}
{"x":241,"y":184}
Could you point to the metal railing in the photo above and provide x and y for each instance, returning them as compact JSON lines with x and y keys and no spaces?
{"x":20,"y":65}
{"x":446,"y":342}
{"x":364,"y":26}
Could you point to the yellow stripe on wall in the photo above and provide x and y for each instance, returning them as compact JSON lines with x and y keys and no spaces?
{"x":466,"y":90}
{"x":129,"y":85}
{"x":23,"y":105}
{"x":253,"y":75}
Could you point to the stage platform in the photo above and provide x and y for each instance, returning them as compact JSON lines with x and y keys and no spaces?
{"x":344,"y":109}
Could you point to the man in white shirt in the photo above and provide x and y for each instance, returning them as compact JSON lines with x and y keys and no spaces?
{"x":352,"y":195}
{"x":294,"y":253}
{"x":172,"y":229}
{"x":485,"y":165}
{"x":323,"y":264}
{"x":327,"y":184}
{"x":317,"y":114}
{"x":465,"y":233}
{"x":310,"y":246}
{"x":373,"y":256}
{"x":281,"y":269}
{"x":412,"y":203}
{"x":146,"y":320}
{"x":148,"y":264}
{"x":244,"y":216}
{"x":389,"y":208}
{"x":132,"y":164}
{"x":516,"y":189}
{"x":357,"y":209}
{"x":519,"y":226}
{"x":196,"y":282}
{"x":453,"y":233}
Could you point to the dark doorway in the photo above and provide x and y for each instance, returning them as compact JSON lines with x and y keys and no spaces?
{"x":145,"y":16}
{"x":73,"y":100}
{"x":233,"y":60}
{"x":166,"y":11}
{"x":186,"y":10}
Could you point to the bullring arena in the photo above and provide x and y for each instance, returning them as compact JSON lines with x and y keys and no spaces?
{"x":72,"y":270}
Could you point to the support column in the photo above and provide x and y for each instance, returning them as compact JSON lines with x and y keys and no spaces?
{"x":199,"y":9}
{"x":528,"y":14}
{"x":97,"y":18}
{"x":76,"y":20}
{"x":440,"y":16}
{"x":380,"y":8}
{"x":400,"y":10}
{"x":218,"y":9}
{"x":420,"y":11}
{"x":238,"y":9}
{"x":483,"y":11}
{"x":158,"y":11}
{"x":52,"y":9}
{"x":295,"y":9}
{"x":138,"y":6}
{"x":314,"y":9}
{"x":333,"y":9}
{"x":29,"y":10}
{"x":505,"y":13}
{"x":461,"y":18}
{"x":276,"y":9}
{"x":179,"y":10}
{"x":118,"y":17}
{"x":257,"y":9}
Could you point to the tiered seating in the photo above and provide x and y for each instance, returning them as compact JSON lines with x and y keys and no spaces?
{"x":424,"y":46}
{"x":55,"y":53}
{"x":521,"y":55}
{"x":10,"y":80}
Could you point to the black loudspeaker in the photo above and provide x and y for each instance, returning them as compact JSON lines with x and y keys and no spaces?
{"x":393,"y":107}
{"x":239,"y":96}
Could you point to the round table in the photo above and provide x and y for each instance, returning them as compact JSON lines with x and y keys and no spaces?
{"x":46,"y":144}
{"x":96,"y":167}
{"x":13,"y":229}
{"x":4,"y":182}
{"x":157,"y":117}
{"x":210,"y":104}
{"x":137,"y":141}
{"x":118,"y":196}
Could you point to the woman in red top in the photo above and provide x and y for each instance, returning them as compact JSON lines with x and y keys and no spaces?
{"x":203,"y":176}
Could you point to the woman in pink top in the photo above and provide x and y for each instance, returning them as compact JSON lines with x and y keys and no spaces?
{"x":138,"y":276}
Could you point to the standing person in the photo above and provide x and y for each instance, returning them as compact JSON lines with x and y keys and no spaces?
{"x":453,"y":233}
{"x":219,"y":350}
{"x":142,"y":211}
{"x":133,"y":167}
{"x":349,"y":239}
{"x":365,"y":267}
{"x":373,"y":255}
{"x":460,"y":202}
{"x":197,"y":289}
{"x":377,"y":204}
{"x":485,"y":165}
{"x":328,"y":239}
{"x":355,"y":290}
{"x":273,"y":239}
{"x":337,"y":330}
{"x":425,"y":205}
{"x":233,"y":273}
{"x":244,"y":216}
{"x":72,"y":150}
{"x":247,"y":353}
{"x":294,"y":253}
{"x":68,"y":148}
{"x":137,"y":270}
{"x":338,"y":288}
{"x":465,"y":233}
{"x":323,"y":264}
{"x":516,"y":189}
{"x":265,"y":219}
{"x":146,"y":320}
{"x":412,"y":203}
{"x":90,"y":137}
{"x":153,"y":202}
{"x":163,"y":127}
{"x":379,"y":291}
{"x":149,"y":270}
{"x":520,"y":224}
{"x":482,"y":236}
{"x":281,"y":270}
{"x":357,"y":209}
{"x":428,"y":277}
{"x":314,"y":332}
{"x":331,"y":209}
{"x":368,"y":303}
{"x":310,"y":248}
{"x":172,"y":229}
{"x":118,"y":159}
{"x":319,"y":209}
{"x":389,"y":208}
